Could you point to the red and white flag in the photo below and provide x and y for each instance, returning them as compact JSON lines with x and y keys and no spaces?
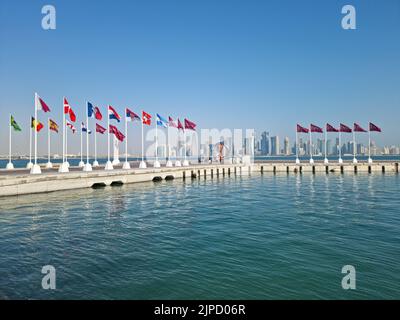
{"x":68,"y":110}
{"x":315,"y":128}
{"x":71,"y":126}
{"x":41,"y":105}
{"x":171,"y":123}
{"x":344,"y":128}
{"x":373,"y":127}
{"x":100,"y":129}
{"x":190,"y":125}
{"x":330,"y":128}
{"x":180,"y":126}
{"x":301,"y":129}
{"x":146,"y":118}
{"x":358,"y":128}
{"x":118,"y":134}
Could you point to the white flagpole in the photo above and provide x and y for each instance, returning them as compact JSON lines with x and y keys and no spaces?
{"x":326,"y":151}
{"x":354,"y":147}
{"x":126,"y":164}
{"x":109,"y":165}
{"x":87,"y":167}
{"x":142,"y":144}
{"x":95,"y":146}
{"x":297,"y":148}
{"x":48,"y":139}
{"x":340,"y":146}
{"x":10,"y":165}
{"x":66,"y":143}
{"x":81,"y":164}
{"x":63,"y":137}
{"x":369,"y":143}
{"x":30,"y":142}
{"x":185,"y":162}
{"x":36,"y":168}
{"x":311,"y":152}
{"x":10,"y":139}
{"x":156,"y":162}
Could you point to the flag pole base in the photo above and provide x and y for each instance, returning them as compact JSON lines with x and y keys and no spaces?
{"x":126,"y":165}
{"x":63,"y":168}
{"x":95,"y":163}
{"x":355,"y":160}
{"x":81,"y":164}
{"x":185,"y":163}
{"x":87,"y":167}
{"x":297,"y":161}
{"x":29,"y":165}
{"x":36,"y":169}
{"x":369,"y":160}
{"x":49,"y":165}
{"x":326,"y":161}
{"x":10,"y":166}
{"x":109,"y":166}
{"x":340,"y":160}
{"x":178,"y":163}
{"x":169,"y":164}
{"x":156,"y":164}
{"x":116,"y":162}
{"x":142,"y":165}
{"x":67,"y":164}
{"x":311,"y":161}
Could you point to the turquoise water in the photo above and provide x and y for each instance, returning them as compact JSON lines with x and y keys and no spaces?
{"x":251,"y":237}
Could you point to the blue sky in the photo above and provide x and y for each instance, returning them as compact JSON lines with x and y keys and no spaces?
{"x":237,"y":64}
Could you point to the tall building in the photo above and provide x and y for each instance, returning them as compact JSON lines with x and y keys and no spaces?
{"x":286,"y":146}
{"x":275,"y":149}
{"x":265,"y":143}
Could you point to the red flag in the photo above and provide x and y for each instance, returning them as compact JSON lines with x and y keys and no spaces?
{"x":180,"y":126}
{"x":344,"y":128}
{"x":330,"y":128}
{"x":42,"y":105}
{"x":114,"y":130}
{"x":301,"y":129}
{"x":68,"y":110}
{"x":373,"y":127}
{"x":146,"y":118}
{"x":315,"y":128}
{"x":53,"y":125}
{"x":190,"y":125}
{"x":172,"y":123}
{"x":36,"y":124}
{"x":357,"y":128}
{"x":100,"y":129}
{"x":97,"y":113}
{"x":71,"y":126}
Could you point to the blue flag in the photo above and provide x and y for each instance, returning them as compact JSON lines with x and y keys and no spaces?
{"x":161,"y":121}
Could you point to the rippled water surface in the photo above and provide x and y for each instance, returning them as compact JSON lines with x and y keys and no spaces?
{"x":257,"y":237}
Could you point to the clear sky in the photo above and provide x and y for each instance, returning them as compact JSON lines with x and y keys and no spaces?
{"x":239,"y":64}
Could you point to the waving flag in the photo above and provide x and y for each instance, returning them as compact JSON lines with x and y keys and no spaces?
{"x":14,"y":124}
{"x":113,"y":114}
{"x":180,"y":126}
{"x":161,"y":121}
{"x":358,"y":128}
{"x":68,"y":110}
{"x":71,"y":126}
{"x":373,"y":127}
{"x":90,"y":110}
{"x":146,"y":118}
{"x":131,"y":116}
{"x":171,"y":123}
{"x":100,"y":129}
{"x":315,"y":128}
{"x":344,"y":128}
{"x":84,"y":129}
{"x":41,"y":105}
{"x":118,"y":134}
{"x":190,"y":125}
{"x":301,"y":129}
{"x":53,"y":126}
{"x":36,"y":125}
{"x":330,"y":128}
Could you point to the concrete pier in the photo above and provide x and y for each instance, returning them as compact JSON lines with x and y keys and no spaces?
{"x":20,"y":182}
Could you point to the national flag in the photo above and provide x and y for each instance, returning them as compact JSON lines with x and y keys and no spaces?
{"x":190,"y":125}
{"x":112,"y":114}
{"x":172,"y":123}
{"x":358,"y":128}
{"x":301,"y":129}
{"x":373,"y":127}
{"x":14,"y":124}
{"x":118,"y":134}
{"x":36,"y":125}
{"x":94,"y":112}
{"x":180,"y":126}
{"x":146,"y":118}
{"x":344,"y":128}
{"x":84,"y":129}
{"x":68,"y":110}
{"x":71,"y":126}
{"x":53,"y":126}
{"x":131,"y":116}
{"x":330,"y":128}
{"x":90,"y":110}
{"x":161,"y":121}
{"x":41,"y":105}
{"x":315,"y":128}
{"x":100,"y":129}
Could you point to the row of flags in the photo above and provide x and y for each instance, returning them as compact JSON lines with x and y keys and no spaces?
{"x":342,"y":128}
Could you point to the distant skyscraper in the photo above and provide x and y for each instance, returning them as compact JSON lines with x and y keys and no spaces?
{"x":275,"y":150}
{"x":265,"y":143}
{"x":286,"y":146}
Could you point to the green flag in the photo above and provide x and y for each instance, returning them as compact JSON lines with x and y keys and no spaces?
{"x":14,"y":124}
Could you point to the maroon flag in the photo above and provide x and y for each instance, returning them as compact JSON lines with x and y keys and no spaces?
{"x":100,"y":129}
{"x":171,"y":123}
{"x":180,"y":126}
{"x":190,"y":125}
{"x":344,"y":128}
{"x":315,"y":128}
{"x":357,"y":128}
{"x":330,"y":128}
{"x":42,"y":105}
{"x":301,"y":129}
{"x":373,"y":127}
{"x":118,"y":134}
